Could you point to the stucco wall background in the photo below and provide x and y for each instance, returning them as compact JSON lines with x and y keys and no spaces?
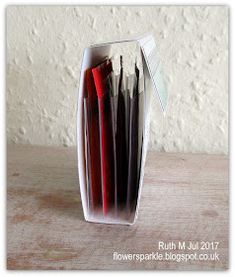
{"x":44,"y":52}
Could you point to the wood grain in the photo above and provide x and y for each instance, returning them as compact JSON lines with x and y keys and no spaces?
{"x":184,"y":198}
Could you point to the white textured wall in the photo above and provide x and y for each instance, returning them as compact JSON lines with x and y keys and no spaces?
{"x":44,"y":52}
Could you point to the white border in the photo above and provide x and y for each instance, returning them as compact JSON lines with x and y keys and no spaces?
{"x":3,"y":4}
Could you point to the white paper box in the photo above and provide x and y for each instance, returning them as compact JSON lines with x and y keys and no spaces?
{"x":152,"y":82}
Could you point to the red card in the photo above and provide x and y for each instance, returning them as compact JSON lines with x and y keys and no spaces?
{"x":101,"y":73}
{"x":93,"y":141}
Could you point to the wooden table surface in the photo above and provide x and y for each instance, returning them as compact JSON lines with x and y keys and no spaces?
{"x":184,"y":198}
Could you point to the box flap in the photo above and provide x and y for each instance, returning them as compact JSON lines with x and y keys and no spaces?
{"x":122,"y":40}
{"x":149,"y":50}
